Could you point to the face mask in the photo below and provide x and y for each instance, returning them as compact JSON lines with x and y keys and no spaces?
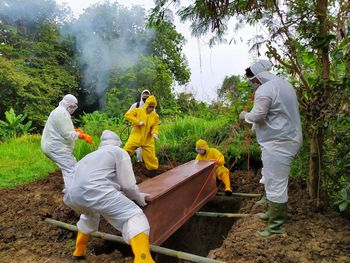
{"x":254,"y":85}
{"x":200,"y":151}
{"x":71,"y":108}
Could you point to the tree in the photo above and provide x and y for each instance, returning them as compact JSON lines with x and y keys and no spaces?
{"x":167,"y":44}
{"x":34,"y":75}
{"x":29,"y":15}
{"x":113,"y":43}
{"x":126,"y":85}
{"x":229,"y":90}
{"x":309,"y":40}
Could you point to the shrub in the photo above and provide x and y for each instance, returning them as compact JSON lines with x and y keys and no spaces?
{"x":95,"y":123}
{"x":14,"y":125}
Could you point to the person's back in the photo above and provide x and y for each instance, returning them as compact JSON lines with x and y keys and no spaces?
{"x":101,"y":169}
{"x":104,"y":185}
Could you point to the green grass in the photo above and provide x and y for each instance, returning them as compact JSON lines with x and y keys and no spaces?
{"x":22,"y":161}
{"x":178,"y":138}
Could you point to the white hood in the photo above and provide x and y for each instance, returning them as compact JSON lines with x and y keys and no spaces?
{"x":110,"y":138}
{"x":260,"y":66}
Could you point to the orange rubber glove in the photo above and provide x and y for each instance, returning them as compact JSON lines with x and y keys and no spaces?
{"x":79,"y":130}
{"x":86,"y":137}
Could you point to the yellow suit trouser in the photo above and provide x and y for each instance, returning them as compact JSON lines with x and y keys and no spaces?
{"x":148,"y":154}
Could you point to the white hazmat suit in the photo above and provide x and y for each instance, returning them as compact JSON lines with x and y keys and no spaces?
{"x":276,"y":120}
{"x":141,"y":103}
{"x":104,"y":184}
{"x":58,"y":137}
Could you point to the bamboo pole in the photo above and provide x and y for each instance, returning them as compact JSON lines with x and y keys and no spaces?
{"x":153,"y":248}
{"x":246,"y":195}
{"x":214,"y":214}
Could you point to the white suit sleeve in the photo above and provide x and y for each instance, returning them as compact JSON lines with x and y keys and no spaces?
{"x":133,"y":106}
{"x":261,"y":108}
{"x":65,"y":127}
{"x":127,"y":181}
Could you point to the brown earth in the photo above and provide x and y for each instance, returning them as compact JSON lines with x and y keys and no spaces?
{"x":314,"y":234}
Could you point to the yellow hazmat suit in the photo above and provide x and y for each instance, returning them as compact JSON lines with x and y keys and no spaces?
{"x":145,"y":128}
{"x":221,"y":172}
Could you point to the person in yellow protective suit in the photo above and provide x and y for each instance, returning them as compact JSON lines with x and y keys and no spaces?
{"x":221,"y":172}
{"x":145,"y":123}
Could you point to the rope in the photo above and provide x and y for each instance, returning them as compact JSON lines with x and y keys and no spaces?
{"x":126,"y":128}
{"x":225,"y":149}
{"x":166,"y":156}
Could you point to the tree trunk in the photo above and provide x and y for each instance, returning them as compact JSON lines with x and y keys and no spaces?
{"x":316,"y":140}
{"x":313,"y":184}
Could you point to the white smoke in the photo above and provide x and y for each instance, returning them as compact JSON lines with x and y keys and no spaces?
{"x":30,"y":10}
{"x":109,"y":36}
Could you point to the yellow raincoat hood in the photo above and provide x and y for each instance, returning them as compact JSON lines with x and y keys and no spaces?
{"x":202,"y":144}
{"x":150,"y":100}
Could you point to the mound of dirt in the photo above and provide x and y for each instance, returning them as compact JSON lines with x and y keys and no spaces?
{"x":314,"y":235}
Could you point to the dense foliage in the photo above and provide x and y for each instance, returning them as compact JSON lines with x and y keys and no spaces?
{"x":106,"y":57}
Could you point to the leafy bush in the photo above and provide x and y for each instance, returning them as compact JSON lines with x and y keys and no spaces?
{"x":178,"y":138}
{"x":342,"y":199}
{"x":95,"y":123}
{"x":14,"y":125}
{"x":336,"y":157}
{"x":82,"y":148}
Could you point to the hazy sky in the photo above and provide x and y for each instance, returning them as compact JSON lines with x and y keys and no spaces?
{"x":209,"y":66}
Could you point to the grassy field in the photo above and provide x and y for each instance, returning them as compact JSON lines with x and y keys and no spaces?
{"x":22,"y":161}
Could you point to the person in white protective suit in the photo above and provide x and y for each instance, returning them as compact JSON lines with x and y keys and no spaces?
{"x":104,"y":184}
{"x":140,"y":104}
{"x":275,"y":116}
{"x":59,"y":135}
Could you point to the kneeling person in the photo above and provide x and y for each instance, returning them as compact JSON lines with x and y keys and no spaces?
{"x":104,"y":184}
{"x":221,"y":172}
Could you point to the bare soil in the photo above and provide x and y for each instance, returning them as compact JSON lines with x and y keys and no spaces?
{"x":314,"y":234}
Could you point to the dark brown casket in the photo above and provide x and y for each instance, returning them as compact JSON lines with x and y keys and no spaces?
{"x":176,"y":195}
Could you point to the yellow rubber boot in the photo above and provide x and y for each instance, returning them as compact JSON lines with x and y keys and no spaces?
{"x":140,"y":248}
{"x":81,"y":245}
{"x":225,"y":178}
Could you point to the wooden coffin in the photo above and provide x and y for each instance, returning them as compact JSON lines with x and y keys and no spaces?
{"x":176,"y":195}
